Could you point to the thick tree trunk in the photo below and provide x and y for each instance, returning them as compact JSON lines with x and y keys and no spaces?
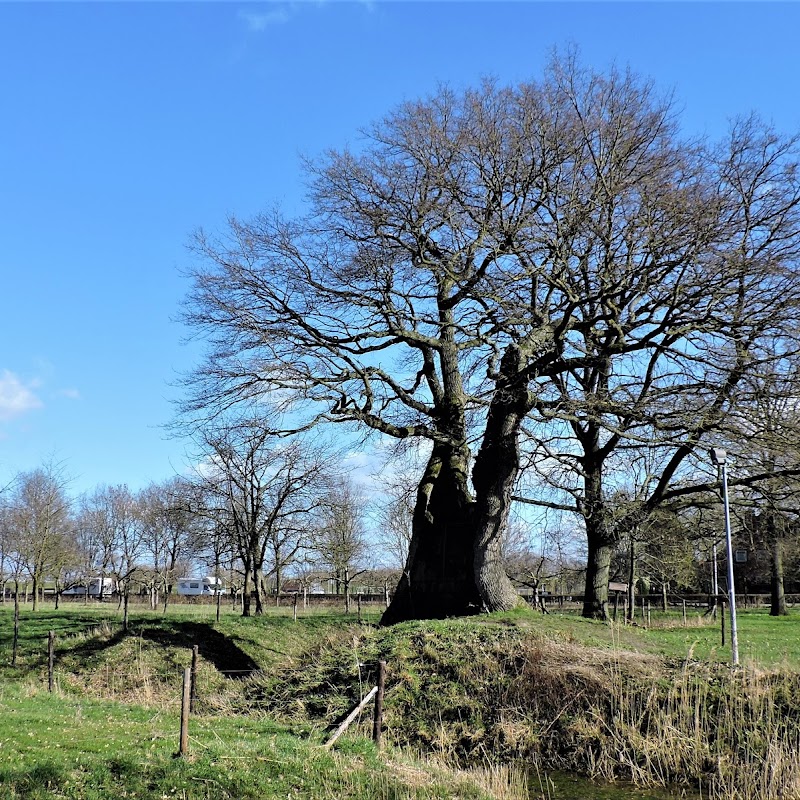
{"x":246,"y":592}
{"x":599,"y":538}
{"x":778,"y":599}
{"x":631,"y":579}
{"x":595,"y":599}
{"x":493,"y":477}
{"x":455,"y":559}
{"x":439,"y":577}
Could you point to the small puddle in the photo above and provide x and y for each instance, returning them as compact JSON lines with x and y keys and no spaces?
{"x":564,"y":786}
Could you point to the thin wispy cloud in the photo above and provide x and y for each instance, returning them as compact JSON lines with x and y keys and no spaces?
{"x":258,"y":21}
{"x":16,"y":398}
{"x":70,"y":394}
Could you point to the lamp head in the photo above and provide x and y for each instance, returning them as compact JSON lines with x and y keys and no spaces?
{"x":718,"y":456}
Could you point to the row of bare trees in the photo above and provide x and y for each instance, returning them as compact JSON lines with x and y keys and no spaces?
{"x":110,"y":535}
{"x":255,"y":509}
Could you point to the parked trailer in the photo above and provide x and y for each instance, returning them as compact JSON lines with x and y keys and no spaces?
{"x":194,"y":587}
{"x":109,"y":587}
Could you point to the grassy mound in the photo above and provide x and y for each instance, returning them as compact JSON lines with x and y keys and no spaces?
{"x":480,"y":691}
{"x":558,"y":693}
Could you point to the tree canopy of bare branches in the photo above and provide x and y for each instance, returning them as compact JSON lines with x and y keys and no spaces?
{"x":261,"y":492}
{"x":542,"y":277}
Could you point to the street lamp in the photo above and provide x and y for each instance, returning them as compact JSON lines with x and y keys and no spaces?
{"x":720,"y":458}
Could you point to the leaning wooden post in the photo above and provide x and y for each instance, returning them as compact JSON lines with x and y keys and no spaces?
{"x":193,"y":689}
{"x":185,"y":702}
{"x":295,"y":606}
{"x":350,"y":717}
{"x":51,"y":657}
{"x":377,"y":721}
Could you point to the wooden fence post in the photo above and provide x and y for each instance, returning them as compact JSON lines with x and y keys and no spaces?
{"x":185,"y":702}
{"x":295,"y":606}
{"x":193,"y":689}
{"x":16,"y":627}
{"x":684,"y":613}
{"x":648,"y":613}
{"x":359,"y":609}
{"x":51,"y":656}
{"x":377,"y":722}
{"x":722,"y":618}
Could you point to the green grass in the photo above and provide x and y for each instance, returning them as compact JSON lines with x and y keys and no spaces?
{"x":71,"y":748}
{"x":764,"y":641}
{"x":81,"y":742}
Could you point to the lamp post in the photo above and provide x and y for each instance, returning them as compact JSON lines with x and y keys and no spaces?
{"x":720,"y":458}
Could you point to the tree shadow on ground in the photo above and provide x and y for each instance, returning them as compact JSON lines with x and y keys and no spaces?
{"x":213,"y":646}
{"x":216,"y":648}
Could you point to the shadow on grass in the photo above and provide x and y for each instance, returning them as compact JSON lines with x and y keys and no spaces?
{"x":213,"y":646}
{"x":224,"y":650}
{"x":99,"y":780}
{"x":37,"y":782}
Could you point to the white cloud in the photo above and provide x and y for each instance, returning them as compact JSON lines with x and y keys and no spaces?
{"x":16,"y":398}
{"x":71,"y":394}
{"x":260,"y":21}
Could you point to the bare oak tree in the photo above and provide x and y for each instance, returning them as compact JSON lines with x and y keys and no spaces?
{"x":552,"y":259}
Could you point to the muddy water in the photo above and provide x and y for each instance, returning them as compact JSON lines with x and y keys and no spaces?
{"x":562,"y":786}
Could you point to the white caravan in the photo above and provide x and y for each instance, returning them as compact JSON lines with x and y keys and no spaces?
{"x":192,"y":587}
{"x":109,"y":587}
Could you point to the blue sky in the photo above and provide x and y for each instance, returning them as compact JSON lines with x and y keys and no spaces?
{"x":123,"y":127}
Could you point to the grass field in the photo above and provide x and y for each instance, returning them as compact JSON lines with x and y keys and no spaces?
{"x":272,"y":688}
